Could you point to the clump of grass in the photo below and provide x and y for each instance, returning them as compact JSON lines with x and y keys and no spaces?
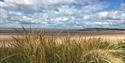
{"x":38,"y":48}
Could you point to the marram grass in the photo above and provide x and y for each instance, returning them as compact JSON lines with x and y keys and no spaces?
{"x":37,"y":48}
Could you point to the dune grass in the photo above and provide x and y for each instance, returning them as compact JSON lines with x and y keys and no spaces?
{"x":37,"y":48}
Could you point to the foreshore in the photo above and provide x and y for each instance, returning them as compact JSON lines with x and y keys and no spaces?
{"x":105,"y":34}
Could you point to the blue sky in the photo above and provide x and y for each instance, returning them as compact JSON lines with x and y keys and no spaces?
{"x":64,"y":14}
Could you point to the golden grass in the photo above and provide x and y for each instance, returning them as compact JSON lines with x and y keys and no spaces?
{"x":37,"y":48}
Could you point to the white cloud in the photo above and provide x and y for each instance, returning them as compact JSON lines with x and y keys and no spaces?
{"x":103,"y":14}
{"x":113,"y":18}
{"x":38,"y":2}
{"x":123,"y":14}
{"x":122,"y":6}
{"x":51,"y":2}
{"x":86,"y":17}
{"x":20,"y":2}
{"x":112,"y":15}
{"x":103,"y":23}
{"x":2,"y":4}
{"x":3,"y":15}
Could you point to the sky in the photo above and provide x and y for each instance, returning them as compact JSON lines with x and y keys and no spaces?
{"x":62,"y":14}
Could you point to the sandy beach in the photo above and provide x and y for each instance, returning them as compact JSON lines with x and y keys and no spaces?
{"x":105,"y":37}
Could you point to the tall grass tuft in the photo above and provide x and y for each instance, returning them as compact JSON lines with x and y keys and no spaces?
{"x":39,"y":48}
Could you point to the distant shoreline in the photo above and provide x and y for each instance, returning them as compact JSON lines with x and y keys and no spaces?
{"x":93,"y":31}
